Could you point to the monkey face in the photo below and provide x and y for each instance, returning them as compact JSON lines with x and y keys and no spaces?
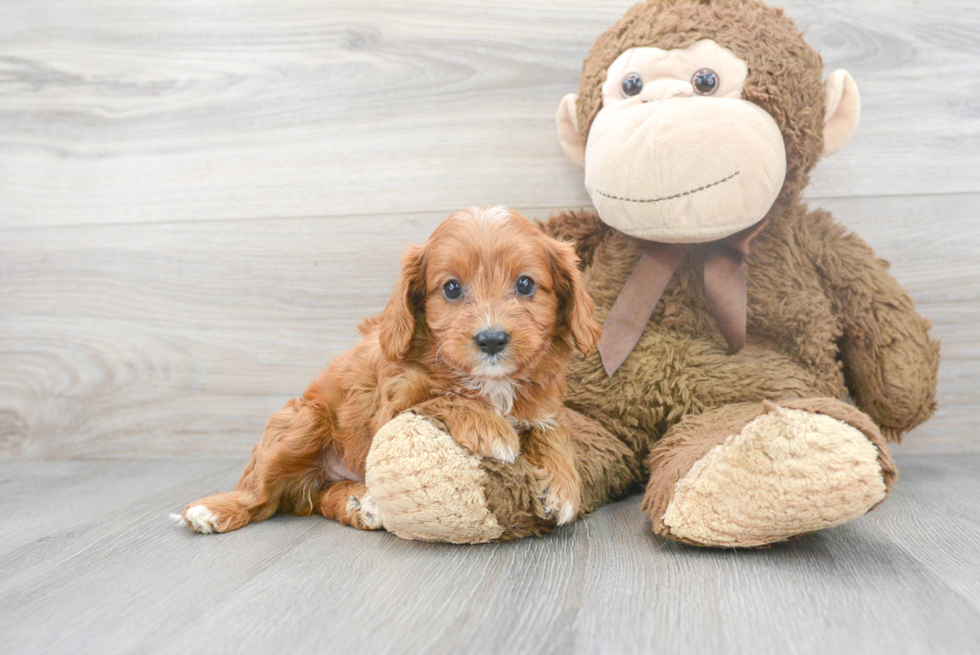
{"x":699,"y":114}
{"x":675,"y":154}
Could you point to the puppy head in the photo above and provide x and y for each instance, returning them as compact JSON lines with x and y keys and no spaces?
{"x":493,"y":295}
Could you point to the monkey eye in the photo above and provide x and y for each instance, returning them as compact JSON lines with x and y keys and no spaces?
{"x":705,"y":81}
{"x":452,"y":290}
{"x":633,"y":84}
{"x":524,"y":286}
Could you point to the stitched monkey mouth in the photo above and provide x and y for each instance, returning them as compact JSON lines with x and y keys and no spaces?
{"x":673,"y":197}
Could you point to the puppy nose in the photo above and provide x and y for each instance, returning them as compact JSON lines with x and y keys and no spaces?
{"x":492,"y":341}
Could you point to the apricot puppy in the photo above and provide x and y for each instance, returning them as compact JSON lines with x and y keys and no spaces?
{"x":477,"y":335}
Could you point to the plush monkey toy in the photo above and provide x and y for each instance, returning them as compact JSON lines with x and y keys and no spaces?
{"x":735,"y":320}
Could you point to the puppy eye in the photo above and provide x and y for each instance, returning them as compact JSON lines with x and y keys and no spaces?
{"x":705,"y":81}
{"x":524,"y":286}
{"x":452,"y":290}
{"x":633,"y":84}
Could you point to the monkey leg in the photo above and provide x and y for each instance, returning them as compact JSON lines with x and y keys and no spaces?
{"x":752,"y":474}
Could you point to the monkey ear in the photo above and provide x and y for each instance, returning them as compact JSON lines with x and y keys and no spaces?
{"x":568,"y":134}
{"x":398,"y":320}
{"x":843,"y":111}
{"x":575,"y":304}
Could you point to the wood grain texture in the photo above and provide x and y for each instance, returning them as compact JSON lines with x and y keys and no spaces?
{"x":201,"y":201}
{"x":180,"y":339}
{"x":112,"y":111}
{"x":106,"y":571}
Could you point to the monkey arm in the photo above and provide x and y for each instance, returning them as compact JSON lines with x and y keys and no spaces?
{"x":890,"y":362}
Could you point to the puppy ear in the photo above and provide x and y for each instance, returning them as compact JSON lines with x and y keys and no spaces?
{"x":398,"y":320}
{"x":577,"y":311}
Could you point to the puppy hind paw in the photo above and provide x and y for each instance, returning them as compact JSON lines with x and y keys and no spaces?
{"x":370,"y":511}
{"x":201,"y":519}
{"x":364,"y":512}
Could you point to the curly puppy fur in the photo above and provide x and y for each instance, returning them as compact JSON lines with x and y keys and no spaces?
{"x":423,"y":353}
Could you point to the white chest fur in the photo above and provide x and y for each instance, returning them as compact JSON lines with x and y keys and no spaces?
{"x":498,"y":391}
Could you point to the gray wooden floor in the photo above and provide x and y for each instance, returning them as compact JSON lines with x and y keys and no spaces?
{"x":90,"y":562}
{"x":200,"y":200}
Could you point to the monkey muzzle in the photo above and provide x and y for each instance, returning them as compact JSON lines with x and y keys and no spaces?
{"x":684,"y":169}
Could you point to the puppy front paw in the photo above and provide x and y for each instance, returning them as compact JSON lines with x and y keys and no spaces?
{"x":561,"y":501}
{"x":497,"y":444}
{"x":506,"y":452}
{"x":475,"y":426}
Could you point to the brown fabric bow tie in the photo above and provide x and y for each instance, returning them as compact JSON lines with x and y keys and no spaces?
{"x":724,"y":289}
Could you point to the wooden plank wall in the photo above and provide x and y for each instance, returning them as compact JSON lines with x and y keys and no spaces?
{"x":199,"y":201}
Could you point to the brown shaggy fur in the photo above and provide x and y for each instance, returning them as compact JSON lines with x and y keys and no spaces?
{"x":421,"y":354}
{"x":825,"y":319}
{"x":608,"y":468}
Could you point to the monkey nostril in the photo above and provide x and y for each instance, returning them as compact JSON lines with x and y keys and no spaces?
{"x":665,"y":90}
{"x":492,"y":341}
{"x":667,"y":96}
